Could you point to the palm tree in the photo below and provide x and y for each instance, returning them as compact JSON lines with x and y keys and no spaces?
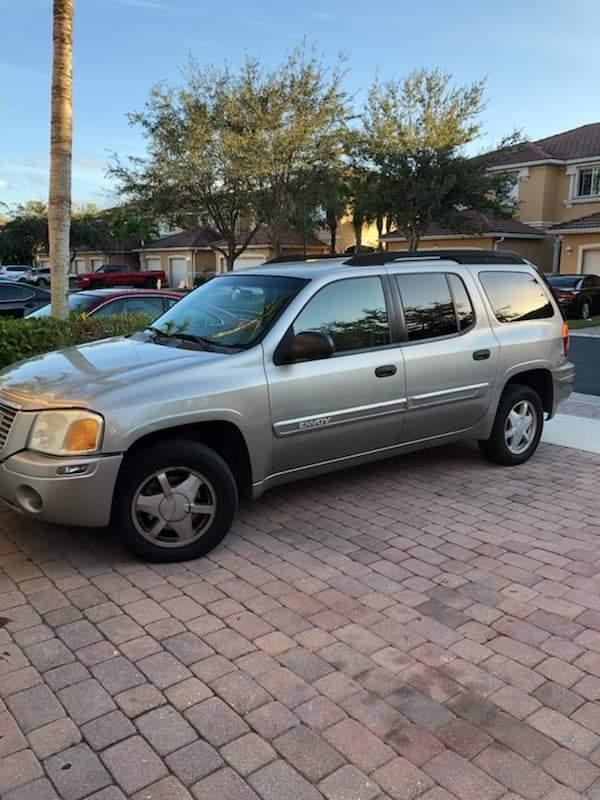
{"x":61,"y":143}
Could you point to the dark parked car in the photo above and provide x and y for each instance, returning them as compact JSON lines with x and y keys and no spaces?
{"x":19,"y":299}
{"x":99,"y":302}
{"x":578,"y":295}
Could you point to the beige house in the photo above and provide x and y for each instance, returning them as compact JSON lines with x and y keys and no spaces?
{"x":88,"y":259}
{"x":558,"y":191}
{"x":190,"y":255}
{"x":488,"y":233}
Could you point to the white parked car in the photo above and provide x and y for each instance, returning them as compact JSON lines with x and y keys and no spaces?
{"x":15,"y":272}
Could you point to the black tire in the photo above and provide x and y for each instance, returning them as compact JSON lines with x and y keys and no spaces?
{"x":496,"y":448}
{"x":584,"y":309}
{"x":42,"y":283}
{"x":140,"y":466}
{"x":150,"y":283}
{"x":96,"y":285}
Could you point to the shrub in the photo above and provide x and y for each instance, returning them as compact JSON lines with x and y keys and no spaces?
{"x":24,"y":338}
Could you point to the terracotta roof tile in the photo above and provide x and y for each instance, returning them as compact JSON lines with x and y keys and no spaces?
{"x":582,"y":142}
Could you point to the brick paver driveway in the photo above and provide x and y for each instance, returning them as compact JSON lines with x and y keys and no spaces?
{"x":426,"y":627}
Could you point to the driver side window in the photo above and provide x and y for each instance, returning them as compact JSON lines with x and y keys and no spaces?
{"x":352,"y":311}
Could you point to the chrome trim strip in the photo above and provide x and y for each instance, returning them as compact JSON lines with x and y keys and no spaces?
{"x":447,"y":395}
{"x":290,"y":427}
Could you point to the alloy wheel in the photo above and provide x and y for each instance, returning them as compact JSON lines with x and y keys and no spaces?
{"x":174,"y":507}
{"x":520,"y":427}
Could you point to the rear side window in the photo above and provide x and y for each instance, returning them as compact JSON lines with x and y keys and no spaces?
{"x":435,"y":305}
{"x":516,"y":296}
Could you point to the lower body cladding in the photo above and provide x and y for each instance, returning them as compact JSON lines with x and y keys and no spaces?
{"x":65,"y":491}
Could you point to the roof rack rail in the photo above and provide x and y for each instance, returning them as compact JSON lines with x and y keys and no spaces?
{"x":459,"y":256}
{"x":307,"y":257}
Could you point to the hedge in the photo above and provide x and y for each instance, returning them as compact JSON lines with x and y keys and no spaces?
{"x":24,"y":338}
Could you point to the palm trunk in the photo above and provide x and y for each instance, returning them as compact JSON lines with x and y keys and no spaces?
{"x":61,"y":143}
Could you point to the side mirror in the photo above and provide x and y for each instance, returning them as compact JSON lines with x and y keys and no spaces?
{"x":304,"y":346}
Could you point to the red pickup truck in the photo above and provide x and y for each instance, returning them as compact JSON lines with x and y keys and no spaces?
{"x":109,"y":275}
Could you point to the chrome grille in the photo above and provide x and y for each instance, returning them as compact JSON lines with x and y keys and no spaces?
{"x":7,"y":417}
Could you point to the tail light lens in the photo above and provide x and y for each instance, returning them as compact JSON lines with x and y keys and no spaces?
{"x":566,"y":295}
{"x":565,"y":339}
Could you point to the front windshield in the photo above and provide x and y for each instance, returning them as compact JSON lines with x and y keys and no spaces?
{"x":564,"y":281}
{"x":78,"y":304}
{"x":231,"y":310}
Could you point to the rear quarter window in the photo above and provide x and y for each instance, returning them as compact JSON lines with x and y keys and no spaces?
{"x":516,"y":296}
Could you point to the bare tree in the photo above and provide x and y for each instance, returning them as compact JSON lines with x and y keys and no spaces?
{"x":61,"y":145}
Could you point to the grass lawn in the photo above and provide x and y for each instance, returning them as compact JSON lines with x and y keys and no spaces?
{"x":577,"y":324}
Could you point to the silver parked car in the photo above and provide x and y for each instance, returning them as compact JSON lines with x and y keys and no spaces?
{"x":297,"y":369}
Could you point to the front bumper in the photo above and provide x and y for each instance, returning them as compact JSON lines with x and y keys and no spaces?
{"x":563,"y":380}
{"x":32,"y":484}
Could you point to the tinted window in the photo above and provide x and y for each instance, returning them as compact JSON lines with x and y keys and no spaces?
{"x":516,"y":296}
{"x":115,"y":307}
{"x":462,"y":302}
{"x":428,"y":307}
{"x":564,"y":281}
{"x":592,"y":282}
{"x":14,"y":293}
{"x":352,"y":312}
{"x":79,"y":303}
{"x":145,"y":305}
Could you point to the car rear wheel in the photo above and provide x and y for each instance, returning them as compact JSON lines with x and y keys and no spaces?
{"x":42,"y":283}
{"x":174,"y":501}
{"x":517,"y":428}
{"x":150,"y":283}
{"x":96,"y":285}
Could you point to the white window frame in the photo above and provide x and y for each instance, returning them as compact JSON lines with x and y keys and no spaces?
{"x":595,"y":168}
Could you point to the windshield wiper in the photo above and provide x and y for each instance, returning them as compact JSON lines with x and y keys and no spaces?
{"x":184,"y":337}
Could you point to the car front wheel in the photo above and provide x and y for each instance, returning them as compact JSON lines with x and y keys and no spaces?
{"x":585,"y":309}
{"x":517,"y":427}
{"x":174,"y":501}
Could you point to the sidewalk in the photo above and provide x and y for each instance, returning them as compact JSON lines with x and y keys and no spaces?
{"x":578,"y":424}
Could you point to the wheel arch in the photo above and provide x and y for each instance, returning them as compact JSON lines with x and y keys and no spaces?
{"x":222,"y":436}
{"x":538,"y":379}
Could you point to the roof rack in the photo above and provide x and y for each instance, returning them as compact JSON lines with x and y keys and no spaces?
{"x":459,"y":256}
{"x":307,"y":257}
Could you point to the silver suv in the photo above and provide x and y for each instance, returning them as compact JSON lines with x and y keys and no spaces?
{"x":280,"y":372}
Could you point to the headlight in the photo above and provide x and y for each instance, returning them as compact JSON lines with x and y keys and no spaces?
{"x":63,"y":433}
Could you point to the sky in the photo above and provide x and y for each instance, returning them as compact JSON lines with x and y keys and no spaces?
{"x":540,"y":59}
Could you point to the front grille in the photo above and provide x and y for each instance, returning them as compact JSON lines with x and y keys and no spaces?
{"x":7,"y":418}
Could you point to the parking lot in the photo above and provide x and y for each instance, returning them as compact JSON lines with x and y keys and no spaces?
{"x":424,"y":627}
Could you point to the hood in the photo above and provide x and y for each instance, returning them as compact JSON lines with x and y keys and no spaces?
{"x":78,"y":376}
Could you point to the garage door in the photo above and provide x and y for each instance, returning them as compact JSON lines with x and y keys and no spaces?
{"x":244,"y":262}
{"x":178,"y":272}
{"x":153,"y":263}
{"x":79,"y":266}
{"x":591,"y":262}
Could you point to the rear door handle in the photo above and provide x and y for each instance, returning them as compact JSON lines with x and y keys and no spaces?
{"x":481,"y":355}
{"x":386,"y":371}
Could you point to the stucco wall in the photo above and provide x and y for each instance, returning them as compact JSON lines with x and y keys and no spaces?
{"x":472,"y":242}
{"x":569,"y":261}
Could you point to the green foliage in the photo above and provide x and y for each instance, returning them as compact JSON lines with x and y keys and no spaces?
{"x":412,"y":144}
{"x":24,"y":338}
{"x":26,"y":231}
{"x":239,"y":145}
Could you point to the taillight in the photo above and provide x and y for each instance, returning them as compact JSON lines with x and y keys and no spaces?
{"x":567,"y":295}
{"x":565,"y":339}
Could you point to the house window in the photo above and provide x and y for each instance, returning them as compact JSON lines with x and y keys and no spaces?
{"x":588,"y":182}
{"x":513,"y":189}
